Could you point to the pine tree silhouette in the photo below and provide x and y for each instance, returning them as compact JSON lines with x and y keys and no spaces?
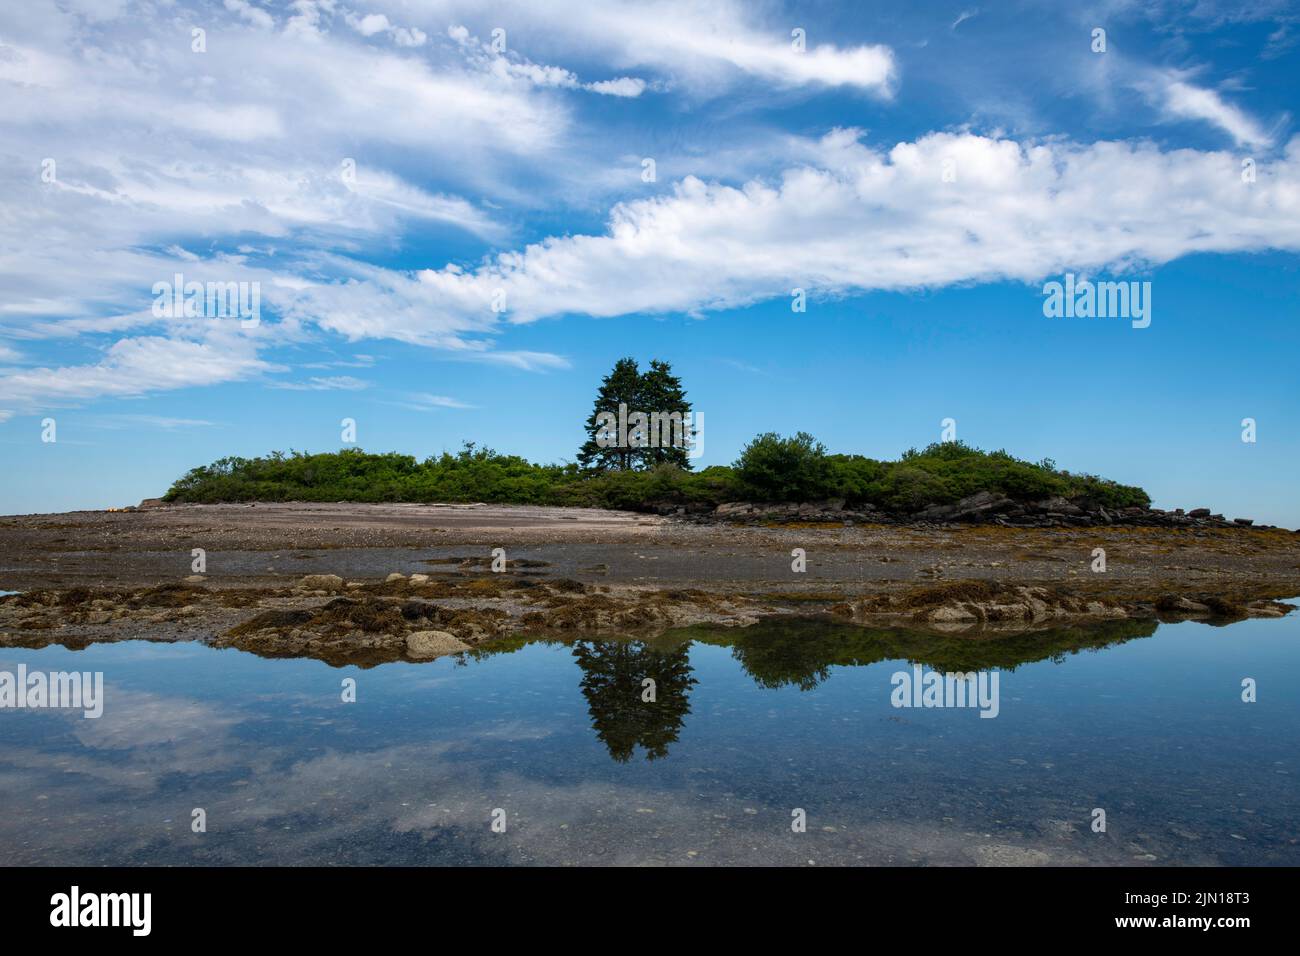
{"x":656,"y":392}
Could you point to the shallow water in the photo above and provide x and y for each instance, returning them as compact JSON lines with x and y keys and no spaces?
{"x":747,"y":726}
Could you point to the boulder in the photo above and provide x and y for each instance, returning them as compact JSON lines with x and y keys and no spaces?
{"x":1199,"y":513}
{"x":953,"y":614}
{"x":733,"y":508}
{"x":1177,"y":604}
{"x":152,"y":503}
{"x":983,"y":503}
{"x":1244,"y":522}
{"x":395,"y":576}
{"x":321,"y":582}
{"x":1058,"y":506}
{"x":936,"y":513}
{"x":426,"y":645}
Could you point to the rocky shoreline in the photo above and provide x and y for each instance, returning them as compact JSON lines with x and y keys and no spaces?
{"x":368,"y":584}
{"x":420,"y":617}
{"x":983,"y":507}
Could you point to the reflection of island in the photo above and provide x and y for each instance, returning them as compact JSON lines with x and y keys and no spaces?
{"x":800,"y":653}
{"x":782,"y":653}
{"x":612,"y":675}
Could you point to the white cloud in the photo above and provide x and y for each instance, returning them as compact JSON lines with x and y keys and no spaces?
{"x":521,"y":359}
{"x":370,"y":24}
{"x":1179,"y":99}
{"x":511,"y":67}
{"x":699,"y":43}
{"x":423,"y":401}
{"x":165,"y":157}
{"x":254,"y":15}
{"x":863,"y":219}
{"x":133,"y":367}
{"x":330,"y":383}
{"x":627,"y":86}
{"x":164,"y":422}
{"x":409,"y":36}
{"x":139,"y":130}
{"x":374,"y":23}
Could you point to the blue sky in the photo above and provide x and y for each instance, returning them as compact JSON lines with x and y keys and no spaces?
{"x":381,"y":170}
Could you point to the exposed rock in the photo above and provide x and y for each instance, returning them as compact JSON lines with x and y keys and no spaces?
{"x":426,"y":645}
{"x":952,"y":614}
{"x":982,"y":507}
{"x":152,"y":503}
{"x":1176,"y":604}
{"x":983,"y":503}
{"x":395,"y":576}
{"x":321,"y":582}
{"x":937,"y":513}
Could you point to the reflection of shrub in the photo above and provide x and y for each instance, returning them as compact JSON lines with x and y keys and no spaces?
{"x":785,"y":469}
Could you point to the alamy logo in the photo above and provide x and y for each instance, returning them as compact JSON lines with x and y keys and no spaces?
{"x":213,"y":300}
{"x":57,"y":690}
{"x":921,"y":688}
{"x":103,"y":909}
{"x":1102,"y":300}
{"x":652,"y":430}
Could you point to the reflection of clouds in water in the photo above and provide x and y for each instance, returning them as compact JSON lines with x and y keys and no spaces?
{"x":152,"y":759}
{"x":513,"y":730}
{"x":140,"y":738}
{"x":139,"y":719}
{"x":288,"y":774}
{"x":422,"y":792}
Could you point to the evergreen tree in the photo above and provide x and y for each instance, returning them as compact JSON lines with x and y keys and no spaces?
{"x":622,"y":384}
{"x":661,"y":391}
{"x":657,"y":391}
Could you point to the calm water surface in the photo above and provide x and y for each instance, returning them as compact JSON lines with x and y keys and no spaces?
{"x":747,"y":726}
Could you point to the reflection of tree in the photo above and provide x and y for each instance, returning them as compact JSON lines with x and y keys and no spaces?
{"x":800,"y":653}
{"x":777,"y":658}
{"x":612,"y":672}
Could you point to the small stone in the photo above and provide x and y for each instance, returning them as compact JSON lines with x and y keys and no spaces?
{"x":195,"y":579}
{"x":395,"y":576}
{"x":419,"y":579}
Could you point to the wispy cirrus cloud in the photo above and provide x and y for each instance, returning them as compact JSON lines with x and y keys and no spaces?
{"x":425,"y":402}
{"x":1179,"y":99}
{"x":330,"y":383}
{"x":163,"y":422}
{"x":129,"y":368}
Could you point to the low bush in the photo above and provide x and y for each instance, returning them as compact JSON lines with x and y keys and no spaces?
{"x":770,"y":468}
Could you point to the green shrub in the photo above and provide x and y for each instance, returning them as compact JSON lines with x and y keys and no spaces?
{"x":770,"y":468}
{"x":773,"y":468}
